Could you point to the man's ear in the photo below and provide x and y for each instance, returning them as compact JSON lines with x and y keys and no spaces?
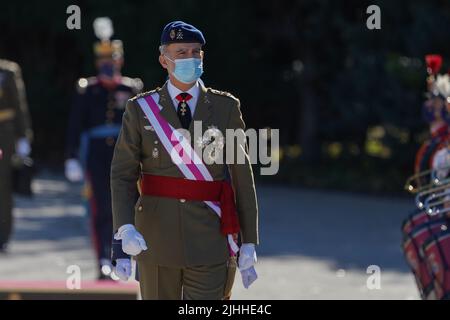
{"x":162,"y":61}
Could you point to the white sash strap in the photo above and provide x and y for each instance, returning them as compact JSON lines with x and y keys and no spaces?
{"x":193,"y":168}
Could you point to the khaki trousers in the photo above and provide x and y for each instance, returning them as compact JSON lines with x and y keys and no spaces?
{"x":191,"y":283}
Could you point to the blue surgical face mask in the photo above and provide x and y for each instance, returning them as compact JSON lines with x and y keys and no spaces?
{"x":187,"y":70}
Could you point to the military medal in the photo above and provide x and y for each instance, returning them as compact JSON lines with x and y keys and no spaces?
{"x":155,"y":153}
{"x":201,"y":143}
{"x":183,"y":108}
{"x":212,"y":155}
{"x":213,"y":136}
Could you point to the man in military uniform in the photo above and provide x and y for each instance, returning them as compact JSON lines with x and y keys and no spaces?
{"x":94,"y":125}
{"x":173,"y":230}
{"x":15,"y":136}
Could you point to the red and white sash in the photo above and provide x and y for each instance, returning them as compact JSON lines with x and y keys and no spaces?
{"x":175,"y":144}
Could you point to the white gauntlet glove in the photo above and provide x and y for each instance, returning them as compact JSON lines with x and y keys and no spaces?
{"x":123,"y":269}
{"x":73,"y":170}
{"x":133,"y":242}
{"x":248,"y":276}
{"x":247,"y":260}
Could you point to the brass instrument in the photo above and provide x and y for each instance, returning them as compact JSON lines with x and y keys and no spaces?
{"x":438,"y":203}
{"x":436,"y":182}
{"x":414,"y":184}
{"x":442,"y":185}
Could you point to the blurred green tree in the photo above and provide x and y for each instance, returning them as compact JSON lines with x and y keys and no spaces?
{"x":308,"y":67}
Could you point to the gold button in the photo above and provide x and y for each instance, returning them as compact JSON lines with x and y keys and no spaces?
{"x":140,"y":208}
{"x":182,"y":200}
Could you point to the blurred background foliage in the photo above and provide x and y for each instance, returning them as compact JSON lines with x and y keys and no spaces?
{"x":346,"y":99}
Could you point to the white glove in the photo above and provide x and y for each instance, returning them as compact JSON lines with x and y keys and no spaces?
{"x":23,"y":148}
{"x":73,"y":170}
{"x":123,"y":269}
{"x":247,"y":260}
{"x":247,"y":256}
{"x":132,"y":241}
{"x":248,"y":276}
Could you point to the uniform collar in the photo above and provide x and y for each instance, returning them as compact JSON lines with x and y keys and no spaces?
{"x":204,"y":107}
{"x":174,"y":91}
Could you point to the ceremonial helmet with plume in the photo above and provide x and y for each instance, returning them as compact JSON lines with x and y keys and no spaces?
{"x":105,"y":48}
{"x":438,"y":96}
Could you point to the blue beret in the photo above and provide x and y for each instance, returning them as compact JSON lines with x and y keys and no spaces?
{"x":179,"y":31}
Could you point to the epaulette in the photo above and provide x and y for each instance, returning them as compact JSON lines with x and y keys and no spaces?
{"x":9,"y":66}
{"x":84,"y":83}
{"x":135,"y":84}
{"x":144,"y":94}
{"x":222,"y":93}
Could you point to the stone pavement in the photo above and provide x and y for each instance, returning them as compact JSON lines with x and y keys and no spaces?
{"x":314,"y":244}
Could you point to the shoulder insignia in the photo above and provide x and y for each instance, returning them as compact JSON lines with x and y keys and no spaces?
{"x":144,"y":94}
{"x":222,"y":93}
{"x":135,"y":84}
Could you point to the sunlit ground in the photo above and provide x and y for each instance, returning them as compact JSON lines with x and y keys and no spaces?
{"x":314,"y":245}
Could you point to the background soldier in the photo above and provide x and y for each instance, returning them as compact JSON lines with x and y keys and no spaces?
{"x":187,"y":255}
{"x":94,"y":125}
{"x":15,"y":136}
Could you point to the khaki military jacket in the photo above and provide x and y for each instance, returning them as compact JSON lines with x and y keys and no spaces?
{"x":177,"y":232}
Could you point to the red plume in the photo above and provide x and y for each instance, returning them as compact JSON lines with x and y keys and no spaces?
{"x":434,"y":63}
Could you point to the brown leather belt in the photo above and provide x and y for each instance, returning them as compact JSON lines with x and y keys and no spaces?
{"x":7,"y":114}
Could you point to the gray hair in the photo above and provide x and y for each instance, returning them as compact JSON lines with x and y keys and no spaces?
{"x":162,"y":48}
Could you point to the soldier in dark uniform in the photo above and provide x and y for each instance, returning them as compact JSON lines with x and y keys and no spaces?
{"x":15,"y":137}
{"x":94,"y":125}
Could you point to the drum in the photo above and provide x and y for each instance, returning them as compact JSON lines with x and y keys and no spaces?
{"x":412,"y":244}
{"x":436,"y":253}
